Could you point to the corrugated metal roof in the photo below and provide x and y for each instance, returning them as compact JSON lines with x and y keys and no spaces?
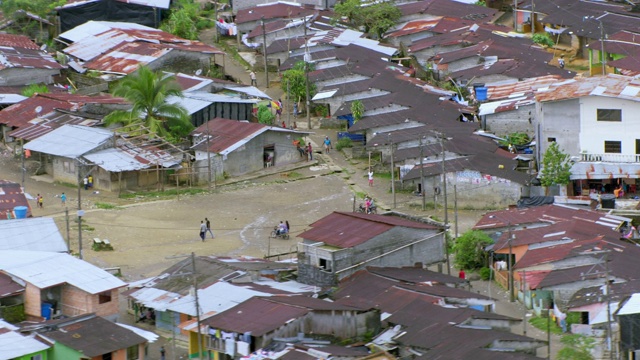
{"x":45,"y":124}
{"x":192,"y":105}
{"x":92,"y":28}
{"x":221,"y":98}
{"x":631,"y":306}
{"x":46,"y":269}
{"x":119,"y":159}
{"x":18,"y":41}
{"x":345,"y":230}
{"x":249,"y":90}
{"x":612,"y":85}
{"x":265,"y":316}
{"x":70,"y":141}
{"x":216,"y":298}
{"x":9,"y":287}
{"x":227,"y":135}
{"x":33,"y":234}
{"x":11,"y":98}
{"x":11,"y":195}
{"x":141,"y":44}
{"x":14,"y":345}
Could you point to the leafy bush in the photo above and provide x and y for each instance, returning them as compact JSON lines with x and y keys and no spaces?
{"x":469,"y":249}
{"x":344,"y":143}
{"x":35,"y":88}
{"x":516,"y":138}
{"x":486,"y":273}
{"x":542,"y":39}
{"x":264,"y":115}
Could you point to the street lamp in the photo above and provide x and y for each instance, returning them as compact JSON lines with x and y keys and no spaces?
{"x":512,"y":297}
{"x":80,"y":215}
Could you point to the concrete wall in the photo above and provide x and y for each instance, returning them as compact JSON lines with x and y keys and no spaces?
{"x":508,"y":122}
{"x":32,"y":301}
{"x":25,"y":76}
{"x":475,"y":190}
{"x":559,"y":120}
{"x":593,"y":133}
{"x":381,"y":247}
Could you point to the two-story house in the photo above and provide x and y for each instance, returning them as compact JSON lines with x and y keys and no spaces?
{"x":594,"y":121}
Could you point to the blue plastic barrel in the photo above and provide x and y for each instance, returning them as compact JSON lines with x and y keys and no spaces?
{"x":21,"y":212}
{"x":46,"y":311}
{"x":481,"y":93}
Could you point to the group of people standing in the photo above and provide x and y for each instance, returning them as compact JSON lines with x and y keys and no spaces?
{"x":87,"y":182}
{"x":205,"y":226}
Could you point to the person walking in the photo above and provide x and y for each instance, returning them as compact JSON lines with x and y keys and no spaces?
{"x":370,"y":174}
{"x":252,"y":76}
{"x":63,"y":199}
{"x":38,"y":200}
{"x":85,"y":182}
{"x":309,"y":151}
{"x":162,"y":353}
{"x":327,"y":144}
{"x":203,"y":230}
{"x":208,"y":223}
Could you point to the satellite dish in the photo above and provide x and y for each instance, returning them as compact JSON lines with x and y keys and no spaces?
{"x":199,"y":71}
{"x":38,"y":109}
{"x":43,"y":47}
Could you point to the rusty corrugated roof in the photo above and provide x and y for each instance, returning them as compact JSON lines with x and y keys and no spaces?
{"x":17,"y":41}
{"x":11,"y":195}
{"x":345,"y":229}
{"x":612,"y":85}
{"x":44,"y":124}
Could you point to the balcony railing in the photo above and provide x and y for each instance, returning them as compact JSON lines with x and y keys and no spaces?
{"x":614,"y":158}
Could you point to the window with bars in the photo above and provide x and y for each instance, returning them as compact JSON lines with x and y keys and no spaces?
{"x":612,"y":147}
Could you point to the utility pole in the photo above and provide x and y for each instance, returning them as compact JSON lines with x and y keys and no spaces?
{"x":533,"y":16}
{"x":66,"y":218}
{"x":24,"y":169}
{"x":307,"y":60}
{"x":80,"y":215}
{"x":444,"y":195}
{"x":195,"y":287}
{"x":80,"y":212}
{"x":424,"y":201}
{"x":608,"y":295}
{"x":455,"y":210}
{"x":393,"y":180}
{"x":264,"y":52}
{"x":512,"y":297}
{"x":288,"y":106}
{"x":524,"y":302}
{"x":604,"y":58}
{"x":208,"y":158}
{"x":215,"y":17}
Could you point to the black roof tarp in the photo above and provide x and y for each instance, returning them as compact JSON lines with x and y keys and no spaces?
{"x":108,"y":10}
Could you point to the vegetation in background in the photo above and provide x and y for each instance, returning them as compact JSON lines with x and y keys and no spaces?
{"x":516,"y":138}
{"x":297,"y":82}
{"x":357,"y":110}
{"x":265,"y":116}
{"x":148,"y":92}
{"x":469,"y":250}
{"x":375,"y":18}
{"x":35,"y":89}
{"x":556,"y":168}
{"x":542,"y":39}
{"x":344,"y":143}
{"x":576,"y":347}
{"x":182,"y":20}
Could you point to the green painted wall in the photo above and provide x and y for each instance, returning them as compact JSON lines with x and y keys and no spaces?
{"x":28,"y":357}
{"x":62,"y":352}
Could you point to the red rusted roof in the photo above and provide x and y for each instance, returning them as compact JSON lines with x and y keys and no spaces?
{"x":612,"y":85}
{"x":448,"y":8}
{"x":225,"y":133}
{"x":16,"y":57}
{"x":8,"y":287}
{"x":17,"y":41}
{"x":265,"y":316}
{"x":19,"y":115}
{"x":49,"y":122}
{"x":519,"y":88}
{"x":415,"y":26}
{"x":11,"y":195}
{"x":345,"y":229}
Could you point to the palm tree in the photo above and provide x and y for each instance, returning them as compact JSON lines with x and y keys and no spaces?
{"x":148,"y":91}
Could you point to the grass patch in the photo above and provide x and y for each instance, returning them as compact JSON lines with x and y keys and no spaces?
{"x":234,"y":52}
{"x":541,"y":323}
{"x":381,"y":175}
{"x":360,"y":194}
{"x":106,"y":206}
{"x":295,"y":175}
{"x":166,"y":193}
{"x":427,"y":206}
{"x":66,"y":184}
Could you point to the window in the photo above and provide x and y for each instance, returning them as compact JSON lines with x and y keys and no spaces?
{"x":325,"y":264}
{"x":551,"y":139}
{"x":106,"y":356}
{"x":609,"y":115}
{"x":69,"y":167}
{"x":612,"y":147}
{"x":132,"y":353}
{"x":637,"y":146}
{"x":36,"y":357}
{"x":104,"y":297}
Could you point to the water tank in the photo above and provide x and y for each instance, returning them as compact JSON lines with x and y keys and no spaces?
{"x":20,"y":212}
{"x":46,"y":311}
{"x":481,"y":93}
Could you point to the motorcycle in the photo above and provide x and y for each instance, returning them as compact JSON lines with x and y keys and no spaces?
{"x":276,"y":233}
{"x":372,"y":209}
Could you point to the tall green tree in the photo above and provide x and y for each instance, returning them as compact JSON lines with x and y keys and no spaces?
{"x":357,"y":110}
{"x":295,"y":81}
{"x":556,"y":168}
{"x":148,"y":92}
{"x":375,"y":18}
{"x":469,"y":249}
{"x":182,"y":20}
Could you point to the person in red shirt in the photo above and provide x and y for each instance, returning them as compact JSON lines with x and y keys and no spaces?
{"x":462,"y":275}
